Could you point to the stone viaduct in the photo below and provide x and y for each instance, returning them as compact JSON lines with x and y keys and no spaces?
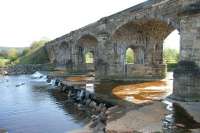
{"x":142,"y":28}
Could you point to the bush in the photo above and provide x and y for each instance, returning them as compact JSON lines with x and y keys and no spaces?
{"x":171,"y":56}
{"x":129,"y":56}
{"x":36,"y":54}
{"x":4,"y":62}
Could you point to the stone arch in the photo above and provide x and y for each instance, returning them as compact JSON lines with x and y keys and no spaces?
{"x":64,"y":53}
{"x":149,"y":33}
{"x":146,"y":37}
{"x":151,"y":27}
{"x":87,"y":40}
{"x":87,"y":44}
{"x":171,"y":22}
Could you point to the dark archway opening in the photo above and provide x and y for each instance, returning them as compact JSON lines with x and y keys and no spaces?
{"x":87,"y":45}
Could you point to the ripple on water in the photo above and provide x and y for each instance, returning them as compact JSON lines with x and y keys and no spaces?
{"x":33,"y":107}
{"x":178,"y":120}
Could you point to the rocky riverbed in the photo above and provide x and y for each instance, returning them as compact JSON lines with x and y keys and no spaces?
{"x":25,"y":69}
{"x":147,"y":111}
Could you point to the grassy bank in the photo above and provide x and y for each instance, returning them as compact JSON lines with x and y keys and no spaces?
{"x":36,"y":54}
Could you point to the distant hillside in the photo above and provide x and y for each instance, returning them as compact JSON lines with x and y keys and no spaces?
{"x":36,"y":54}
{"x":19,"y":49}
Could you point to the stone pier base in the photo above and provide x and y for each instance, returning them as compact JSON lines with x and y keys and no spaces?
{"x":186,"y":82}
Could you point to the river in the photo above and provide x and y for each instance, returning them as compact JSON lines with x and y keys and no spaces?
{"x":29,"y":106}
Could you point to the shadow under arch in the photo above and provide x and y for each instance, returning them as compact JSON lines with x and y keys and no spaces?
{"x":87,"y":44}
{"x":148,"y":35}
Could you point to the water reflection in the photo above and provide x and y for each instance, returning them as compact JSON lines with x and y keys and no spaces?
{"x":178,"y":120}
{"x":145,"y":92}
{"x":34,"y":108}
{"x":79,"y":78}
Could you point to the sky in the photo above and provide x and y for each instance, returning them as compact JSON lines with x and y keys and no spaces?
{"x":25,"y":21}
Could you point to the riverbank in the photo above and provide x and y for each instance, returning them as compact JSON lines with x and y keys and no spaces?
{"x":25,"y":69}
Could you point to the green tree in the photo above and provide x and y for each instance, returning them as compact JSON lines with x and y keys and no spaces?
{"x":38,"y":44}
{"x":35,"y":54}
{"x":171,"y":55}
{"x":129,"y":56}
{"x":25,"y":51}
{"x":88,"y":57}
{"x":12,"y":54}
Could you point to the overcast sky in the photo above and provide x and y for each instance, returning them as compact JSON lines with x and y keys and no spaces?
{"x":24,"y":21}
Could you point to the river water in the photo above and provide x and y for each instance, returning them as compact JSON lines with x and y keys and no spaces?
{"x":29,"y":106}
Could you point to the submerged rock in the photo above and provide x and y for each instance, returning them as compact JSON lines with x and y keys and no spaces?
{"x":3,"y":130}
{"x":20,"y":84}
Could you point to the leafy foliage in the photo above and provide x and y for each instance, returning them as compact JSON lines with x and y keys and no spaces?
{"x":89,"y":57}
{"x":129,"y":56}
{"x":4,"y":62}
{"x":36,"y":54}
{"x":171,"y":56}
{"x":12,"y":54}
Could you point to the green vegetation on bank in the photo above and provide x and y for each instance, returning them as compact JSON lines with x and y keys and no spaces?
{"x":171,"y":57}
{"x":8,"y":55}
{"x":129,"y":56}
{"x":3,"y":61}
{"x":35,"y":54}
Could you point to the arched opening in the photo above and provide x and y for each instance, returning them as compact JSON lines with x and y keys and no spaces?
{"x":86,"y":43}
{"x":171,"y":50}
{"x":65,"y":51}
{"x":130,"y":56}
{"x":89,"y":58}
{"x":86,"y":53}
{"x":152,"y":37}
{"x":146,"y":37}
